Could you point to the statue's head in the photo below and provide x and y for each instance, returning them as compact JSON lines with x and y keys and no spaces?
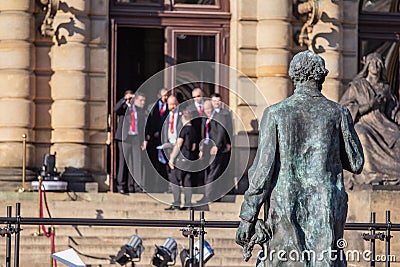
{"x":373,"y":62}
{"x":307,"y":66}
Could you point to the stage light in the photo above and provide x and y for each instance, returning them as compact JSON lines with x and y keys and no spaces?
{"x":130,"y":252}
{"x":208,"y":253}
{"x":165,"y":255}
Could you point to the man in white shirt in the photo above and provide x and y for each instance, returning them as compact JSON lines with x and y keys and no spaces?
{"x":170,"y":130}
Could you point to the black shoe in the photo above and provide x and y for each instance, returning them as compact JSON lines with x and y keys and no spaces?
{"x":173,"y":208}
{"x":122,"y":191}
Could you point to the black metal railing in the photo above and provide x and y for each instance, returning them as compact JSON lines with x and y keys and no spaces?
{"x":190,"y":228}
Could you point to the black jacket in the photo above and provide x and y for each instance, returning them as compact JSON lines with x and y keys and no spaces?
{"x":124,"y":122}
{"x":216,"y":130}
{"x":154,"y":122}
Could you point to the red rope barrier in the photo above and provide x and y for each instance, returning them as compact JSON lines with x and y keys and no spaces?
{"x":51,"y":233}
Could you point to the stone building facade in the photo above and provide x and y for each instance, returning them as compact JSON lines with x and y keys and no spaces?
{"x":59,"y":90}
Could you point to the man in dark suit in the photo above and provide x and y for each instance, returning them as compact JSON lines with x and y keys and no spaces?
{"x":130,"y":138}
{"x":158,"y":112}
{"x":214,"y":143}
{"x":196,"y":108}
{"x":220,"y":107}
{"x":228,"y":127}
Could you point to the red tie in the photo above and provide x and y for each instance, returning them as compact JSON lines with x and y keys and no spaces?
{"x":162,"y":110}
{"x":200,"y":111}
{"x":207,"y":125}
{"x":171,"y":123}
{"x":133,"y":120}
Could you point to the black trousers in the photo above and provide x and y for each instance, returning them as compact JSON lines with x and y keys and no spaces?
{"x":129,"y":177}
{"x":154,"y":166}
{"x":212,"y":173}
{"x":181,"y":181}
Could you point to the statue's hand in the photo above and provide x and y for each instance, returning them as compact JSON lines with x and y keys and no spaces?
{"x":262,"y":233}
{"x":378,"y":101}
{"x":244,"y":232}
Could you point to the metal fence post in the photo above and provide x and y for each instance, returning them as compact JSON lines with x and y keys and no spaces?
{"x":372,"y":241}
{"x":17,"y":234}
{"x":201,"y":240}
{"x":191,"y":240}
{"x":388,"y":237}
{"x":8,"y":237}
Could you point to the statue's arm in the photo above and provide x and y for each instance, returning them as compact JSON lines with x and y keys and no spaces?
{"x":352,"y":155}
{"x":260,"y":177}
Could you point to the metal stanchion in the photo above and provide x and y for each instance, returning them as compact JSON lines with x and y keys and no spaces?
{"x":8,"y":238}
{"x":201,"y":239}
{"x":52,"y":232}
{"x":39,"y":230}
{"x":17,"y":234}
{"x":191,"y":241}
{"x":22,"y":189}
{"x":372,"y":242}
{"x":388,"y":237}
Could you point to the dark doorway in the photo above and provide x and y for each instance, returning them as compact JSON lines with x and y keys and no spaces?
{"x":140,"y":54}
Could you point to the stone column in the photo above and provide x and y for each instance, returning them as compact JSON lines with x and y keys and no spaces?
{"x":16,"y":81}
{"x":327,"y":41}
{"x":98,"y":101}
{"x":273,"y":56}
{"x":243,"y":58}
{"x":69,"y":84}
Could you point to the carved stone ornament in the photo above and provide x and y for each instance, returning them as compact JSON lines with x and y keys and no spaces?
{"x":50,"y":7}
{"x":311,"y":9}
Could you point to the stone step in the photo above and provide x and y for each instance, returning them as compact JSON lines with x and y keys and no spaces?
{"x":31,"y":198}
{"x":117,"y":241}
{"x":123,"y":232}
{"x":153,"y":214}
{"x":130,"y":209}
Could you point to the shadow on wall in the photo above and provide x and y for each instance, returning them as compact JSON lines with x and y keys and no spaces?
{"x":70,"y":26}
{"x":328,"y":36}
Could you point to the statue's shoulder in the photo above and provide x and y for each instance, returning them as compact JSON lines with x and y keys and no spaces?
{"x":276,"y":108}
{"x":357,"y":81}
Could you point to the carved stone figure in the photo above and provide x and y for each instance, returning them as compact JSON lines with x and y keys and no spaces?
{"x":305,"y":142}
{"x":376,"y":114}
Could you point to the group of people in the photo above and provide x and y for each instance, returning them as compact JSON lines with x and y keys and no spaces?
{"x":187,"y":144}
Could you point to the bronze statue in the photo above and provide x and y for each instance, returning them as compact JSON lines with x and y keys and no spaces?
{"x":305,"y":143}
{"x":376,"y":114}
